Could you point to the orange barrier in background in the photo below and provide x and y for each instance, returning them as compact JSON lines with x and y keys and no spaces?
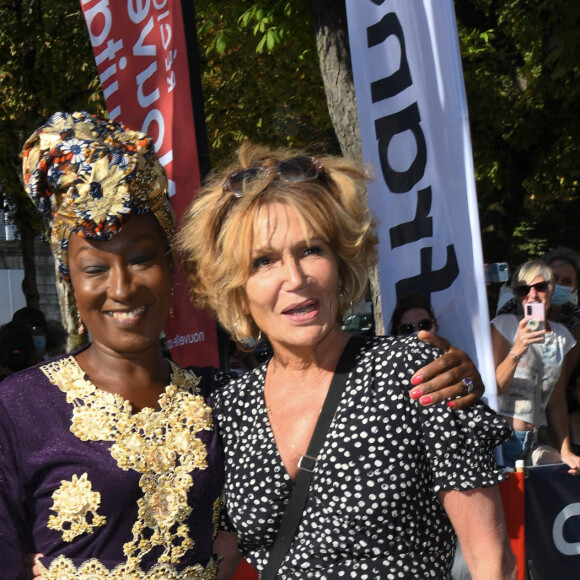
{"x":245,"y":572}
{"x":512,"y":496}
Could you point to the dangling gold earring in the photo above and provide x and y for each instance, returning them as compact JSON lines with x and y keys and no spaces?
{"x":81,"y":327}
{"x":344,"y":296}
{"x":247,"y":345}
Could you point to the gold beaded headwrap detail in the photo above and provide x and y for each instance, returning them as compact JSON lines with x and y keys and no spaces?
{"x":88,"y":174}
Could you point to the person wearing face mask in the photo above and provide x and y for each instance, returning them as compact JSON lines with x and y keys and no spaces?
{"x":16,"y":348}
{"x":530,"y":369}
{"x":565,"y":265}
{"x":35,"y":321}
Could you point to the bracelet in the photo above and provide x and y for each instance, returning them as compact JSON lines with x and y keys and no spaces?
{"x":516,"y":357}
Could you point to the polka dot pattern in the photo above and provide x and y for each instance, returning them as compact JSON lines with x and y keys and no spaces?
{"x":372,"y":510}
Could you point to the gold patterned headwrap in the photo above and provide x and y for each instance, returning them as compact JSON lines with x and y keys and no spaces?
{"x":88,"y":174}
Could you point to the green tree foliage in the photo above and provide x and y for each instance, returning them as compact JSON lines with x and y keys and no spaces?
{"x":260,"y":76}
{"x":46,"y":65}
{"x":261,"y":80}
{"x":521,"y":64}
{"x":521,"y":67}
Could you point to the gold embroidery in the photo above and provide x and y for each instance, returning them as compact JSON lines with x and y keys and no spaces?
{"x":161,"y":445}
{"x":218,"y":506}
{"x":63,"y":568}
{"x":73,"y":502}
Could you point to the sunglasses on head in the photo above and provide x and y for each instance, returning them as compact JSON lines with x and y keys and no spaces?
{"x":410,"y":328}
{"x":293,"y":170}
{"x":524,"y":289}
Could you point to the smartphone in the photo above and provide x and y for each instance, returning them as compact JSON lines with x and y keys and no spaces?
{"x":536,"y":311}
{"x":496,"y":272}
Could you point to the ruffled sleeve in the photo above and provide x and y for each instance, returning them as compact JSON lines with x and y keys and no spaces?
{"x":459,"y":444}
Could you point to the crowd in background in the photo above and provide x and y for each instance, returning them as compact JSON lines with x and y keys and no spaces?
{"x":29,"y":339}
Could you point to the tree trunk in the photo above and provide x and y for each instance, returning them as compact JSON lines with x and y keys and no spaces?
{"x":331,"y":31}
{"x":335,"y":66}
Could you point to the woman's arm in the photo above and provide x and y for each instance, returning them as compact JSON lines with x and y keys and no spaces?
{"x":442,"y":378}
{"x":478,"y":519}
{"x":505,"y":363}
{"x":573,"y":355}
{"x":557,"y":413}
{"x":226,"y":546}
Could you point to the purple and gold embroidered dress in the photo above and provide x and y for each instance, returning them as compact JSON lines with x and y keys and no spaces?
{"x":103,"y":491}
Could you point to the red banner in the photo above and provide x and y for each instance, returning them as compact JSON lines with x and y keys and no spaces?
{"x":141,"y":56}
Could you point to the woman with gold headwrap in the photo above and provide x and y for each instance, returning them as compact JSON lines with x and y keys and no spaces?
{"x":109,"y":461}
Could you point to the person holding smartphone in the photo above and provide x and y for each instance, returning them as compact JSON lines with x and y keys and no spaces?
{"x":530,"y":355}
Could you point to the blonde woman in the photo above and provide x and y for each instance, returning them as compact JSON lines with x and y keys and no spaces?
{"x":278,"y":245}
{"x":531,"y":368}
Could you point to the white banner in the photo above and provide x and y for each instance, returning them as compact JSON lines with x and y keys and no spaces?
{"x":415,"y":136}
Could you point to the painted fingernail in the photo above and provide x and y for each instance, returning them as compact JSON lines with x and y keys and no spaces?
{"x":416,"y":393}
{"x":451,"y":404}
{"x":425,"y":400}
{"x":417,"y":379}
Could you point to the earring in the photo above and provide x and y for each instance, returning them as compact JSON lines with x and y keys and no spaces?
{"x":250,"y":344}
{"x":246,"y":344}
{"x":344,"y":296}
{"x":81,"y":327}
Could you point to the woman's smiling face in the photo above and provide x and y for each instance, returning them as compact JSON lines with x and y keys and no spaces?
{"x":292,"y":290}
{"x":122,"y":286}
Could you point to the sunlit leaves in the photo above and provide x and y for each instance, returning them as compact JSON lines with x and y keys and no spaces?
{"x":521,"y":65}
{"x":260,"y":75}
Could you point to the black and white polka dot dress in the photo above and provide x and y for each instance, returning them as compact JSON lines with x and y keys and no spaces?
{"x":372,"y":510}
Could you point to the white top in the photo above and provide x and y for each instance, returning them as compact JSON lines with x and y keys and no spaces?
{"x":537,"y":372}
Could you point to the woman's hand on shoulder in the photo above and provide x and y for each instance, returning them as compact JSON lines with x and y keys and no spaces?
{"x":450,"y":376}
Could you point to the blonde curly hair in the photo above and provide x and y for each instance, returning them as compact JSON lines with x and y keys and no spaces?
{"x":217,"y":230}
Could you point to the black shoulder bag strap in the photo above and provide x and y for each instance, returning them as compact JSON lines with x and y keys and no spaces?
{"x":307,"y":462}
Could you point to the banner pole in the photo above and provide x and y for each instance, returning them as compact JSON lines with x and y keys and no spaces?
{"x":190,"y":31}
{"x":197,"y":103}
